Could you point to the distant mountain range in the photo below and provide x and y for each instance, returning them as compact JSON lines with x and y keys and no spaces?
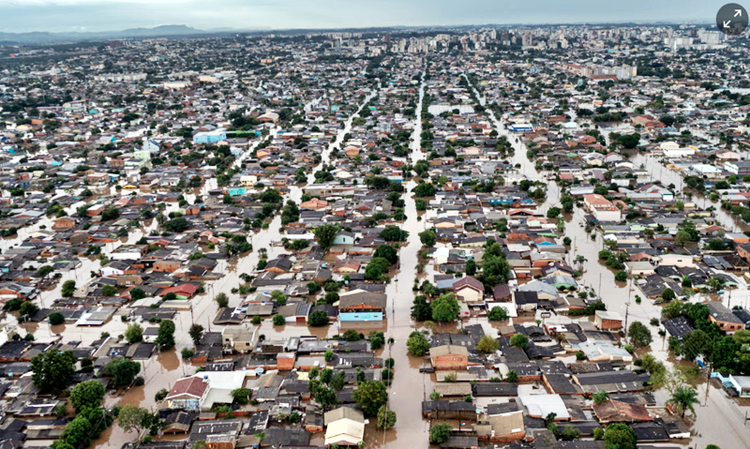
{"x":40,"y":37}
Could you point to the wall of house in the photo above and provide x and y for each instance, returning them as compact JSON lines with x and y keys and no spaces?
{"x":470,"y":295}
{"x":361,"y":316}
{"x":449,"y":361}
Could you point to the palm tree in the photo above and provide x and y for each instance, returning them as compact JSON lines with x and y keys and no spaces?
{"x":580,"y":260}
{"x":683,"y":399}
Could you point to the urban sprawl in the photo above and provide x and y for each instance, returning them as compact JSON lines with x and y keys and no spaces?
{"x":511,"y":237}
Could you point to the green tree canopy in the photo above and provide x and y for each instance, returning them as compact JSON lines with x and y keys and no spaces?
{"x":417,"y":344}
{"x":445,"y":308}
{"x":519,"y":341}
{"x":52,"y":370}
{"x":640,"y":334}
{"x":165,"y":337}
{"x":487,"y":345}
{"x":621,"y":436}
{"x":371,"y":395}
{"x":325,"y":234}
{"x":134,"y":333}
{"x":87,"y":394}
{"x":428,"y":238}
{"x":498,"y":313}
{"x":123,"y":371}
{"x":196,"y":333}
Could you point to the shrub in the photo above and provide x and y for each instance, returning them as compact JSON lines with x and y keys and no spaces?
{"x":56,"y":318}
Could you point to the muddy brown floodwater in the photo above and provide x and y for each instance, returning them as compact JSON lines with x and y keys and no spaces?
{"x":718,"y":419}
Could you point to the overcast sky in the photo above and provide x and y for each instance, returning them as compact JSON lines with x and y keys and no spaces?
{"x":104,"y":15}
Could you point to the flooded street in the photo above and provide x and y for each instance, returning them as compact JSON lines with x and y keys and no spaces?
{"x":409,"y":387}
{"x":719,"y":412}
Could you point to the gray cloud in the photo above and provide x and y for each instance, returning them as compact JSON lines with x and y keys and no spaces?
{"x":102,"y":15}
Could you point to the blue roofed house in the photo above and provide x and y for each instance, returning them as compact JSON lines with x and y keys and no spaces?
{"x":235,"y":191}
{"x":210,"y":136}
{"x":363,"y":306}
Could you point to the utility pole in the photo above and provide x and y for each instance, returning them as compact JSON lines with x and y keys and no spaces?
{"x":627,"y":305}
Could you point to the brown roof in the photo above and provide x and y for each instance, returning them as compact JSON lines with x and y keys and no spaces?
{"x":501,"y":291}
{"x":438,"y":351}
{"x":468,"y":281}
{"x":617,"y":411}
{"x":191,"y":386}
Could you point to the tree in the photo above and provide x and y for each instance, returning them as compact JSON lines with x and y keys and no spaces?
{"x":161,"y":394}
{"x":570,"y":433}
{"x":684,"y":399}
{"x":668,"y":294}
{"x":682,"y":238}
{"x":621,"y":436}
{"x":498,"y":313}
{"x":27,"y":309}
{"x":386,"y":418}
{"x":376,"y":268}
{"x":338,"y":380}
{"x":109,"y":290}
{"x":325,"y":234}
{"x":621,"y":276}
{"x":640,"y":334}
{"x":424,"y":189}
{"x":445,"y":308}
{"x":56,"y":318}
{"x":221,"y":300}
{"x":377,"y":339}
{"x":487,"y":345}
{"x":87,"y":394}
{"x":600,"y":396}
{"x":44,"y":271}
{"x":240,"y":395}
{"x":279,"y":320}
{"x":387,"y":252}
{"x":326,"y":397}
{"x":512,"y":376}
{"x":428,"y":238}
{"x":352,"y":335}
{"x":331,"y":298}
{"x":68,"y":288}
{"x":519,"y":341}
{"x":123,"y":371}
{"x":76,"y":434}
{"x":439,"y":433}
{"x":52,"y":370}
{"x":165,"y":337}
{"x":134,"y":333}
{"x":371,"y":395}
{"x":196,"y":333}
{"x":136,"y":294}
{"x":598,"y":433}
{"x":421,"y":310}
{"x":318,"y":318}
{"x":417,"y":344}
{"x":394,"y":234}
{"x":132,"y":417}
{"x":695,"y":343}
{"x":553,"y":212}
{"x":279,"y":297}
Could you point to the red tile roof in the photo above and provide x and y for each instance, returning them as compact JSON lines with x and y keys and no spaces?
{"x":190,"y":386}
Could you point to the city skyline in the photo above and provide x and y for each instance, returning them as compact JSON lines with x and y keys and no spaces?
{"x":76,"y":15}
